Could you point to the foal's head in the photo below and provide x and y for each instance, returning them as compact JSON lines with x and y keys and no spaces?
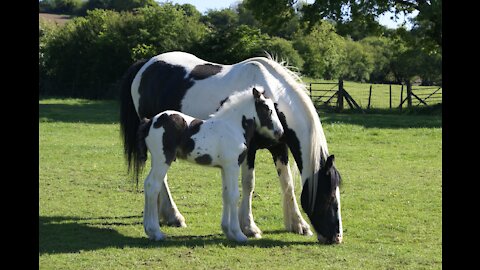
{"x":266,"y":120}
{"x":324,"y":209}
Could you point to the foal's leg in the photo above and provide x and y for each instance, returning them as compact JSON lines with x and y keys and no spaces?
{"x":245,"y":216}
{"x":167,"y":209}
{"x":230,"y":193}
{"x":152,"y":188}
{"x":292,"y":217}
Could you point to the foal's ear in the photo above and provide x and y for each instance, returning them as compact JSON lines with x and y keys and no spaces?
{"x":256,"y":93}
{"x":329,"y":162}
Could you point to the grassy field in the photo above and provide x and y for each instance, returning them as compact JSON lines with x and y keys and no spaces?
{"x":91,"y":212}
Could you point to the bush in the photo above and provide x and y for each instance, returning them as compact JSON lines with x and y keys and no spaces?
{"x":232,"y":45}
{"x":88,"y":55}
{"x":359,"y":63}
{"x":282,"y":49}
{"x":322,"y":50}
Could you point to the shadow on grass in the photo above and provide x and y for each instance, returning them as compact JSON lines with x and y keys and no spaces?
{"x":385,"y":118}
{"x":75,"y":235}
{"x":94,"y":112}
{"x":107,"y":112}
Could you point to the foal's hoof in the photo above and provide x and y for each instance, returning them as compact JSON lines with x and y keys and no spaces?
{"x":238,"y":237}
{"x":157,"y":236}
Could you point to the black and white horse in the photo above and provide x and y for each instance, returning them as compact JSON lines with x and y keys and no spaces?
{"x":183,"y":82}
{"x":221,"y":141}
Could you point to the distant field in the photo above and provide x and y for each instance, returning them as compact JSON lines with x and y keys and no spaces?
{"x":54,"y":18}
{"x":90,"y":213}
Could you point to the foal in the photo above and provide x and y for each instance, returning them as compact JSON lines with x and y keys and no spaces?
{"x":221,"y":141}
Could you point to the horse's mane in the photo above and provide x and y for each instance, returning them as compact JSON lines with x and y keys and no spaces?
{"x":318,"y":148}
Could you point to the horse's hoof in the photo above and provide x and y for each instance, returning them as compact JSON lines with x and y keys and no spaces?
{"x":302,"y":228}
{"x":178,"y":221}
{"x":252,"y":231}
{"x":257,"y":236}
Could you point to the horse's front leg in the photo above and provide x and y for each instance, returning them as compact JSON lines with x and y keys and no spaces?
{"x":245,"y":215}
{"x":292,"y":217}
{"x":152,"y":187}
{"x":231,"y":194}
{"x":167,"y":209}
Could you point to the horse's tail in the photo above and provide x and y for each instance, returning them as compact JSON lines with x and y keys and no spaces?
{"x":141,"y":152}
{"x":129,"y":120}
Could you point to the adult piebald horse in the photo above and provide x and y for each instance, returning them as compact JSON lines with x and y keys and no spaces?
{"x":181,"y":81}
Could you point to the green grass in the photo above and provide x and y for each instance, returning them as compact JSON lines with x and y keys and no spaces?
{"x":91,"y":212}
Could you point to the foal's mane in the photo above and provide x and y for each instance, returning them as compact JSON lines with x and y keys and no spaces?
{"x":234,"y":100}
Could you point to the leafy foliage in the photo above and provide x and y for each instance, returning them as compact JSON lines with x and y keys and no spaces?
{"x":323,"y":51}
{"x":88,"y":55}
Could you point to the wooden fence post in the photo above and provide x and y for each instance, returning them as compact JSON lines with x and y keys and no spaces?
{"x":369,"y":97}
{"x":390,"y":96}
{"x":311,"y":91}
{"x":401,"y":98}
{"x":340,"y":95}
{"x":409,"y":94}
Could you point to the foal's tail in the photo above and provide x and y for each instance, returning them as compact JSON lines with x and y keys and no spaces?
{"x":129,"y":120}
{"x":141,"y":153}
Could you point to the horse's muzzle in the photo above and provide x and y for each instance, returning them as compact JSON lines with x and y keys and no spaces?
{"x":335,"y":240}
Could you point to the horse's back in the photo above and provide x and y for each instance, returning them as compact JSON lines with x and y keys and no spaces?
{"x":162,"y":83}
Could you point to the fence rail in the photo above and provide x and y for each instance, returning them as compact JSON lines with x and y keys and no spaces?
{"x":333,"y":94}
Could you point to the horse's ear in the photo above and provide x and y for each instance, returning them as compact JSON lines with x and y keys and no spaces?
{"x":330,"y":161}
{"x":256,"y":93}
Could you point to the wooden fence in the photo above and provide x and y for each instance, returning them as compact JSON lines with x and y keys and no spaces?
{"x":333,"y":94}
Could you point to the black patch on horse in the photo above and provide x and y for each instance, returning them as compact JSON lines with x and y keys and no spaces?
{"x":162,"y":87}
{"x":241,"y":157}
{"x":264,"y":114}
{"x":174,"y":126}
{"x":279,"y":152}
{"x":290,"y":137}
{"x":205,"y":159}
{"x":249,"y":127}
{"x":204,"y":71}
{"x":187,"y":143}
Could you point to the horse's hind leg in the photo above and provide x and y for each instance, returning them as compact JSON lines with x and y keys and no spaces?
{"x":152,"y":187}
{"x":292,"y":217}
{"x":167,"y":209}
{"x":245,"y":215}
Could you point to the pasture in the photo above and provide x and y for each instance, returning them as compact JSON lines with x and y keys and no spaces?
{"x":91,"y":213}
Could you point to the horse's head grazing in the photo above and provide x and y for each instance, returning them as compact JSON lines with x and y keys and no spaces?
{"x":267,"y":122}
{"x":324,"y":210}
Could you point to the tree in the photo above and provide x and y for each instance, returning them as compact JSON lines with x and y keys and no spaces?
{"x":275,"y":13}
